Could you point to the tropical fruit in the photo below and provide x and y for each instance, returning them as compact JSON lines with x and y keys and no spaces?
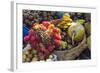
{"x":76,"y":32}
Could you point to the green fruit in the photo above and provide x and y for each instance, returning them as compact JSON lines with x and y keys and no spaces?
{"x":76,"y":32}
{"x":89,"y":42}
{"x":87,"y":28}
{"x":63,"y":45}
{"x":80,"y":21}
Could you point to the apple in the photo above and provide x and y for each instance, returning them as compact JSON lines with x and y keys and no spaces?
{"x":76,"y":32}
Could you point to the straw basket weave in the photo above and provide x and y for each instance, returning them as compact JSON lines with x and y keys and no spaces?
{"x":72,"y":53}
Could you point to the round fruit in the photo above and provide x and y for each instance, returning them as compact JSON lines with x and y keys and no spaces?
{"x":76,"y":32}
{"x":63,"y":45}
{"x":35,"y":59}
{"x":46,"y":23}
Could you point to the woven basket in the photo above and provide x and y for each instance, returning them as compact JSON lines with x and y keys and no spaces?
{"x":72,"y":53}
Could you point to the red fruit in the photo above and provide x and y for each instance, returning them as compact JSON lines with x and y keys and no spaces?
{"x":43,"y":49}
{"x":51,"y":48}
{"x":40,"y":56}
{"x":47,"y":53}
{"x":57,"y":42}
{"x":46,"y":23}
{"x":43,"y":27}
{"x":57,"y":21}
{"x":56,"y":30}
{"x":31,"y":32}
{"x":56,"y":36}
{"x":32,"y":39}
{"x":26,"y":38}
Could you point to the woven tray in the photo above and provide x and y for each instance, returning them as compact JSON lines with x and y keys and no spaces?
{"x":72,"y":53}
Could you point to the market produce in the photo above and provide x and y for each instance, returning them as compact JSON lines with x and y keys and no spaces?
{"x":55,"y":35}
{"x":88,"y":28}
{"x":63,"y":45}
{"x":72,"y":53}
{"x":30,"y":55}
{"x":26,"y":56}
{"x":65,"y":23}
{"x":80,"y":21}
{"x":44,"y":38}
{"x":89,"y":42}
{"x":76,"y":32}
{"x":30,"y":17}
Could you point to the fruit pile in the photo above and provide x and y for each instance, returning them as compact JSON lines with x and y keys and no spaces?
{"x":46,"y":31}
{"x":30,"y":17}
{"x":43,"y":38}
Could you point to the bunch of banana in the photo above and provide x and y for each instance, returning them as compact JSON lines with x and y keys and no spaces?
{"x":66,"y":21}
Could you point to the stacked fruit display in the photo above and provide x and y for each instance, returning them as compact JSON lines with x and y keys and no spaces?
{"x":62,"y":33}
{"x":72,"y":32}
{"x":30,"y":17}
{"x":43,"y":38}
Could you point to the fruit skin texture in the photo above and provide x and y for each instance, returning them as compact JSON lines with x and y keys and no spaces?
{"x":65,"y":23}
{"x":78,"y":31}
{"x":46,"y":23}
{"x":89,"y":42}
{"x":43,"y":38}
{"x":88,"y":28}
